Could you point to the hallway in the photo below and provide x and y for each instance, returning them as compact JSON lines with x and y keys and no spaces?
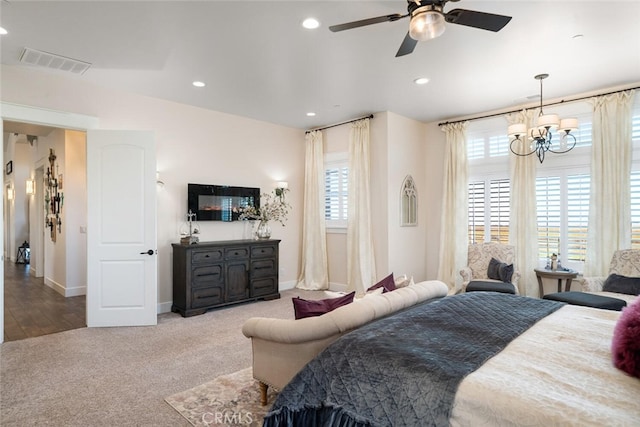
{"x":32,"y":309}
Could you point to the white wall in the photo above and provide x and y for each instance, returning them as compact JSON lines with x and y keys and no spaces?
{"x":193,"y":145}
{"x":434,"y":182}
{"x":74,"y":212}
{"x":406,"y":154}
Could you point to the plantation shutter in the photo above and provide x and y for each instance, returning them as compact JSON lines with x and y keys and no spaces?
{"x":578,"y":190}
{"x":499,"y":203}
{"x":548,"y":215}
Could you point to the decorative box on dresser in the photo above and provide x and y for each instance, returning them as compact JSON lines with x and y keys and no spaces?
{"x":213,"y":274}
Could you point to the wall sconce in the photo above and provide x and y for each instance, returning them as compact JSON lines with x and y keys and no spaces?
{"x":10,"y":193}
{"x":31,"y":187}
{"x":281,"y":188}
{"x":159,"y":182}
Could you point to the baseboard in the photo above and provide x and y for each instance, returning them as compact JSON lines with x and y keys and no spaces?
{"x":164,"y":307}
{"x":65,"y":292}
{"x":285,"y":286}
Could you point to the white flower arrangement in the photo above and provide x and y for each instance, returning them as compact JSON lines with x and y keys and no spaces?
{"x":273,"y":207}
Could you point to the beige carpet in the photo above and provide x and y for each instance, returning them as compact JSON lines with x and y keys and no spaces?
{"x":121,"y":376}
{"x":232,"y":399}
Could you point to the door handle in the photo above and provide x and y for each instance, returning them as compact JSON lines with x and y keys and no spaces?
{"x":149,"y":252}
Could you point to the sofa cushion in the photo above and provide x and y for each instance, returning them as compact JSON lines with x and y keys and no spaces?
{"x":625,"y":346}
{"x":500,"y":271}
{"x":622,"y":284}
{"x":310,"y":308}
{"x":387,"y":283}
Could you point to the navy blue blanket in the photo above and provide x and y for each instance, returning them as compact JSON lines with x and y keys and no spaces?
{"x":404,"y":370}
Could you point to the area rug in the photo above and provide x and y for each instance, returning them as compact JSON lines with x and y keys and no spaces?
{"x":229,"y":400}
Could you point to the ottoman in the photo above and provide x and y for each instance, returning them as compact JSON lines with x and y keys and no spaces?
{"x":588,"y":300}
{"x":486,"y":285}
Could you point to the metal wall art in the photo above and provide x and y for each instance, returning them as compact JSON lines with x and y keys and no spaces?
{"x":53,"y":198}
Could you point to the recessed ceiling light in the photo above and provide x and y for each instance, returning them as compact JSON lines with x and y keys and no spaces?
{"x":310,"y":23}
{"x":311,"y":114}
{"x":199,"y":84}
{"x":421,"y":81}
{"x":3,"y":31}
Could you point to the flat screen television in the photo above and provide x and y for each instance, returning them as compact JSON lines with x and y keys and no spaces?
{"x":220,"y":202}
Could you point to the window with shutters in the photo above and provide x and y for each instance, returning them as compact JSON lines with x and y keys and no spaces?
{"x":476,"y":212}
{"x":499,"y":210}
{"x":336,"y":179}
{"x":563,"y":187}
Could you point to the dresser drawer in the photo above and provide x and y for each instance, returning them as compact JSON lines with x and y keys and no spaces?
{"x":263,"y":251}
{"x":263,"y":268}
{"x":237,"y":253}
{"x":206,"y":297}
{"x":207,"y":275}
{"x":206,"y":256}
{"x":262,"y":287}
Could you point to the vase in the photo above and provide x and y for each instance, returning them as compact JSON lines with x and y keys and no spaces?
{"x":263,"y":231}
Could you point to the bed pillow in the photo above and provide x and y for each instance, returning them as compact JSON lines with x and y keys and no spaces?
{"x":500,"y":271}
{"x":403,"y":281}
{"x":622,"y":284}
{"x":338,"y":294}
{"x":625,"y":345}
{"x":310,"y":308}
{"x":387,"y":283}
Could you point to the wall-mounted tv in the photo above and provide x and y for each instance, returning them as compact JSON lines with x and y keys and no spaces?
{"x":220,"y":202}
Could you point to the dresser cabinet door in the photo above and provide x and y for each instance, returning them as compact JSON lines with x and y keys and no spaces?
{"x":237,"y":280}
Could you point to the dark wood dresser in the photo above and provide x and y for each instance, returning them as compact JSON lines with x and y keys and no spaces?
{"x":214,"y":274}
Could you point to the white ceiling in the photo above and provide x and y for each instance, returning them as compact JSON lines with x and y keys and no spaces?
{"x":259,"y":62}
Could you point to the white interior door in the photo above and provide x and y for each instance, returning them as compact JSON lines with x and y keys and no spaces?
{"x":121,"y":228}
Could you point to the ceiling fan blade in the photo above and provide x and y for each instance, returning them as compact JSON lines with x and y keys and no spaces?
{"x":407,"y":46}
{"x":482,"y":20}
{"x":363,"y":22}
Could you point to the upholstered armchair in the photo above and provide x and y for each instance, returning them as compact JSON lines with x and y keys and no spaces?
{"x":625,"y":262}
{"x":478,"y":259}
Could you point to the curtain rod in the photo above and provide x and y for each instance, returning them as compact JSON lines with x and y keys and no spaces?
{"x":486,"y":116}
{"x":370,"y":116}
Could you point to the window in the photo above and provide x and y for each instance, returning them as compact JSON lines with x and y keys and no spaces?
{"x":499,"y":210}
{"x":562,"y":192}
{"x":336,"y":179}
{"x":476,"y":212}
{"x":496,"y":219}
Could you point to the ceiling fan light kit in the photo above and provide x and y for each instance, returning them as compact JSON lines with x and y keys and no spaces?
{"x":428,"y":22}
{"x":541,"y":134}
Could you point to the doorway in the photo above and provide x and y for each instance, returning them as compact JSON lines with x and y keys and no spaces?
{"x":45,"y":295}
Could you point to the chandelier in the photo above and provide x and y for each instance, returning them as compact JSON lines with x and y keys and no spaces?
{"x":541,"y":134}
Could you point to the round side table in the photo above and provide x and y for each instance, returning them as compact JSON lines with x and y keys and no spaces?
{"x":567,"y":275}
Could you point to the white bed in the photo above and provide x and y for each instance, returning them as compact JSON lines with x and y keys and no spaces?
{"x":558,"y":373}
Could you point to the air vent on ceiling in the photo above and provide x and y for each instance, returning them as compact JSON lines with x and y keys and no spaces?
{"x":50,"y":60}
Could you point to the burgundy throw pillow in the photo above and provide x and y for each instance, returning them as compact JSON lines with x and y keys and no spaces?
{"x":387,"y":283}
{"x":625,"y":345}
{"x":310,"y":308}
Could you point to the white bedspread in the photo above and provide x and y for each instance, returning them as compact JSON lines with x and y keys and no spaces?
{"x":558,"y":373}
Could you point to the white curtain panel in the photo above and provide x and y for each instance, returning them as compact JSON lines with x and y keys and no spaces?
{"x":314,"y":273}
{"x":610,"y":211}
{"x":361,"y":269}
{"x":454,"y":239}
{"x":523,"y":227}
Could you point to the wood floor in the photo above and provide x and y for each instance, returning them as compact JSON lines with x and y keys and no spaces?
{"x":32,"y":309}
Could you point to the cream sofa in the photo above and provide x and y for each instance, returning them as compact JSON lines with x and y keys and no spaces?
{"x":282,"y":347}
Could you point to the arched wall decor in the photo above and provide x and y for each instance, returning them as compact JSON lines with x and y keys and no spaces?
{"x":408,"y":203}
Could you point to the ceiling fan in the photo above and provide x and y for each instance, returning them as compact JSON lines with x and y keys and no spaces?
{"x":428,"y":21}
